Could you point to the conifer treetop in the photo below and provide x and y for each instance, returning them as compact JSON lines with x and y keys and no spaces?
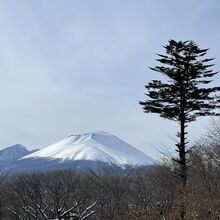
{"x":185,"y":90}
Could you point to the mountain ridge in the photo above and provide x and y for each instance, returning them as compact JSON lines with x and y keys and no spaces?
{"x":88,"y":151}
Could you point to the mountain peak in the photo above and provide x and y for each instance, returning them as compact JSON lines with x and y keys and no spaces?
{"x":91,"y":134}
{"x":16,"y":146}
{"x":95,"y":146}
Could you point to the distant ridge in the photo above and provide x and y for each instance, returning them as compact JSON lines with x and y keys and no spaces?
{"x":13,"y":152}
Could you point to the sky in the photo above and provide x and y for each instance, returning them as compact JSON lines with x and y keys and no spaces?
{"x":76,"y":66}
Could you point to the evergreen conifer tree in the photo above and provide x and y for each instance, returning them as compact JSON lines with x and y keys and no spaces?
{"x":185,"y":93}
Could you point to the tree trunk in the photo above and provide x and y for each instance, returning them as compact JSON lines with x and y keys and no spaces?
{"x":182,"y":153}
{"x":183,"y":167}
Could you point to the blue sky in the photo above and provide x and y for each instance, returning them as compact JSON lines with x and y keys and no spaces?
{"x":70,"y":67}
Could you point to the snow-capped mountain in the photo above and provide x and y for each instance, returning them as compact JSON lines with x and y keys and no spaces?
{"x":91,"y":151}
{"x":98,"y":146}
{"x":13,"y":152}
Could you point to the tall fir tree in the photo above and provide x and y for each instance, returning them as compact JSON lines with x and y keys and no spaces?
{"x":185,"y":93}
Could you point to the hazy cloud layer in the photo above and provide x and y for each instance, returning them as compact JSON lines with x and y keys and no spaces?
{"x":76,"y":66}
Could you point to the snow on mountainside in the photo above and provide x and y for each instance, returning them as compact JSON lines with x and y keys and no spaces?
{"x":13,"y":152}
{"x":97,"y":146}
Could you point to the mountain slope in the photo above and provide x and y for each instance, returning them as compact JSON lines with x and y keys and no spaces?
{"x":97,"y":146}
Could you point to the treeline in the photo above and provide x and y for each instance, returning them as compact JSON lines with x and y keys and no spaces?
{"x":140,"y":193}
{"x":137,"y":194}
